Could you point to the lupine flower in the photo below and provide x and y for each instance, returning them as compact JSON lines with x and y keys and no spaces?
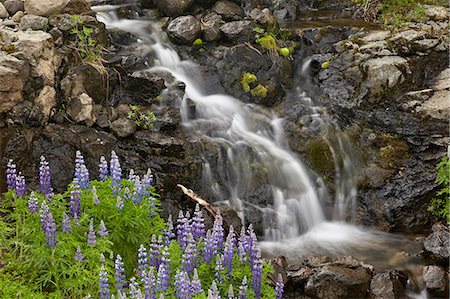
{"x":228,"y":252}
{"x":196,"y":285}
{"x":11,"y":175}
{"x":243,"y":289}
{"x":257,"y":274}
{"x":241,"y":253}
{"x":209,"y":249}
{"x":189,"y":255}
{"x":182,"y":285}
{"x":279,"y":287}
{"x":33,"y":205}
{"x":20,"y":185}
{"x":116,"y":172}
{"x":154,"y":253}
{"x":142,"y":259}
{"x":94,"y":193}
{"x":102,"y":169}
{"x":119,"y":273}
{"x":198,"y":224}
{"x":45,"y":178}
{"x":120,"y":203}
{"x":75,"y":197}
{"x":168,"y":232}
{"x":103,"y":284}
{"x":183,"y":229}
{"x":127,"y":194}
{"x":81,"y":171}
{"x":78,"y":256}
{"x":102,"y":258}
{"x":66,"y":227}
{"x":48,"y":225}
{"x":218,"y":233}
{"x":162,"y":282}
{"x":137,"y":191}
{"x":149,"y":283}
{"x":102,"y":231}
{"x":230,"y":292}
{"x":91,"y":239}
{"x":213,"y":292}
{"x":219,"y":268}
{"x":76,"y":219}
{"x":134,"y":288}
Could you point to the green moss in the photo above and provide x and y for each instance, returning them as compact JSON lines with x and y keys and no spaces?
{"x":326,"y":64}
{"x":267,"y":41}
{"x":197,"y":42}
{"x":285,"y":52}
{"x":260,"y":91}
{"x":394,"y":151}
{"x":246,"y":80}
{"x":321,"y":157}
{"x":8,"y":48}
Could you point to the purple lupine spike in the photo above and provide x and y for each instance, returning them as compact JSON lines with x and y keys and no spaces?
{"x":48,"y":225}
{"x":102,"y":169}
{"x":45,"y":178}
{"x":149,"y":284}
{"x":127,"y":195}
{"x":75,"y":198}
{"x":91,"y":239}
{"x":178,"y":284}
{"x":219,"y":269}
{"x":209,"y":249}
{"x":230,"y":293}
{"x":134,"y":288}
{"x":103,"y":284}
{"x":102,"y":258}
{"x":279,"y":287}
{"x":21,"y":190}
{"x":11,"y":175}
{"x":243,"y":289}
{"x":116,"y":172}
{"x":142,"y":260}
{"x":131,"y":175}
{"x":66,"y":227}
{"x":196,"y":285}
{"x":183,"y":228}
{"x":154,"y":253}
{"x":137,"y":191}
{"x":189,"y":255}
{"x":228,"y":252}
{"x":213,"y":292}
{"x":241,"y":253}
{"x":119,"y":273}
{"x":43,"y":213}
{"x":76,"y":219}
{"x":81,"y":171}
{"x":162,"y":282}
{"x":120,"y":203}
{"x":218,"y":233}
{"x":96,"y":200}
{"x":168,"y":232}
{"x":198,"y":224}
{"x":182,"y":285}
{"x":102,"y":231}
{"x":33,"y":205}
{"x":257,"y":274}
{"x":78,"y":255}
{"x":253,"y":247}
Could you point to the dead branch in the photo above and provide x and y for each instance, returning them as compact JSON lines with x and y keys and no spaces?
{"x":191,"y":194}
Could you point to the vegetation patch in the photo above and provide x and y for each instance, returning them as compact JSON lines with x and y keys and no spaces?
{"x":144,"y":120}
{"x":440,"y":206}
{"x":321,"y":158}
{"x":251,"y":85}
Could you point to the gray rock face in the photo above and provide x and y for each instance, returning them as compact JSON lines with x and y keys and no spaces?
{"x":389,"y":284}
{"x":33,"y":22}
{"x":229,"y":11}
{"x":173,"y":7}
{"x":436,"y":281}
{"x":13,"y":6}
{"x":437,"y":244}
{"x":184,"y":29}
{"x":237,"y":31}
{"x":211,"y":27}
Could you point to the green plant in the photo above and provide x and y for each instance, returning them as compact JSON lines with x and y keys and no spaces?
{"x":144,"y":120}
{"x":86,"y":45}
{"x":197,"y":42}
{"x":440,"y":205}
{"x":251,"y":85}
{"x":274,"y":41}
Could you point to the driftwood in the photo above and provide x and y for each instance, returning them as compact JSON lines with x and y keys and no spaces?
{"x":191,"y":194}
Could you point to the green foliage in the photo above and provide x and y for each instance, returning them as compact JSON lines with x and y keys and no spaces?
{"x":440,"y":206}
{"x":398,"y":12}
{"x":143,"y":120}
{"x":274,"y":41}
{"x":250,"y":84}
{"x":260,"y":91}
{"x":86,"y":45}
{"x":247,"y":79}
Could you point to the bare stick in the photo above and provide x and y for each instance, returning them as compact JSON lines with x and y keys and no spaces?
{"x":191,"y":194}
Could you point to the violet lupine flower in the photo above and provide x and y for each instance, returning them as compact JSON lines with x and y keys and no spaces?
{"x":198,"y":224}
{"x":149,"y":284}
{"x":279,"y":287}
{"x":102,"y":169}
{"x":75,"y":198}
{"x":21,"y":189}
{"x":162,"y":282}
{"x":102,"y":258}
{"x":218,"y":233}
{"x":116,"y":172}
{"x":96,"y":200}
{"x":78,"y":255}
{"x":48,"y":225}
{"x":81,"y":171}
{"x":43,"y":213}
{"x":103,"y":284}
{"x":228,"y":252}
{"x":189,"y":255}
{"x":102,"y":231}
{"x":154,"y":253}
{"x":127,"y":195}
{"x":76,"y":219}
{"x":209,"y":249}
{"x":219,"y":269}
{"x":142,"y":259}
{"x":213,"y":292}
{"x":243,"y":289}
{"x":183,"y":285}
{"x":11,"y":175}
{"x":196,"y":285}
{"x":45,"y":177}
{"x":134,"y":288}
{"x":257,"y":274}
{"x":230,"y":294}
{"x":178,"y":283}
{"x":168,"y":232}
{"x":33,"y":205}
{"x":91,"y":239}
{"x":120,"y":203}
{"x":183,"y":229}
{"x":66,"y":227}
{"x":241,"y":253}
{"x":119,"y":273}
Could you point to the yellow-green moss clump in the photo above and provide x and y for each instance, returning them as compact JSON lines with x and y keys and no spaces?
{"x":247,"y":79}
{"x":321,"y":157}
{"x":260,"y":91}
{"x":394,"y":150}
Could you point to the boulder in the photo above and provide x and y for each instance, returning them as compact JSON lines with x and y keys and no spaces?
{"x":44,"y":104}
{"x":44,"y":8}
{"x":436,"y":245}
{"x":211,"y":27}
{"x":13,"y":76}
{"x":80,"y":109}
{"x":3,"y":11}
{"x":33,"y":22}
{"x":173,"y":7}
{"x":436,"y":13}
{"x":123,"y":127}
{"x":436,"y":281}
{"x":263,"y":17}
{"x":229,"y":11}
{"x":238,"y":31}
{"x":13,"y":6}
{"x":184,"y":30}
{"x":77,"y":7}
{"x":388,"y":284}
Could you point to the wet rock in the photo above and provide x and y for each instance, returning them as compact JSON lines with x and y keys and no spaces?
{"x":211,"y":27}
{"x":184,"y":30}
{"x":263,"y":17}
{"x":13,"y":6}
{"x":3,"y":11}
{"x":77,"y":7}
{"x":33,"y":22}
{"x":229,"y":11}
{"x":123,"y":127}
{"x":44,"y":7}
{"x":437,"y":106}
{"x":174,"y":7}
{"x":436,"y":13}
{"x":80,"y":109}
{"x":436,"y":281}
{"x":238,"y":31}
{"x":389,"y":284}
{"x":145,"y":85}
{"x":436,"y":245}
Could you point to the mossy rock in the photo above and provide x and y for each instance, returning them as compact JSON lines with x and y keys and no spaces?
{"x":394,"y":151}
{"x":321,"y":158}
